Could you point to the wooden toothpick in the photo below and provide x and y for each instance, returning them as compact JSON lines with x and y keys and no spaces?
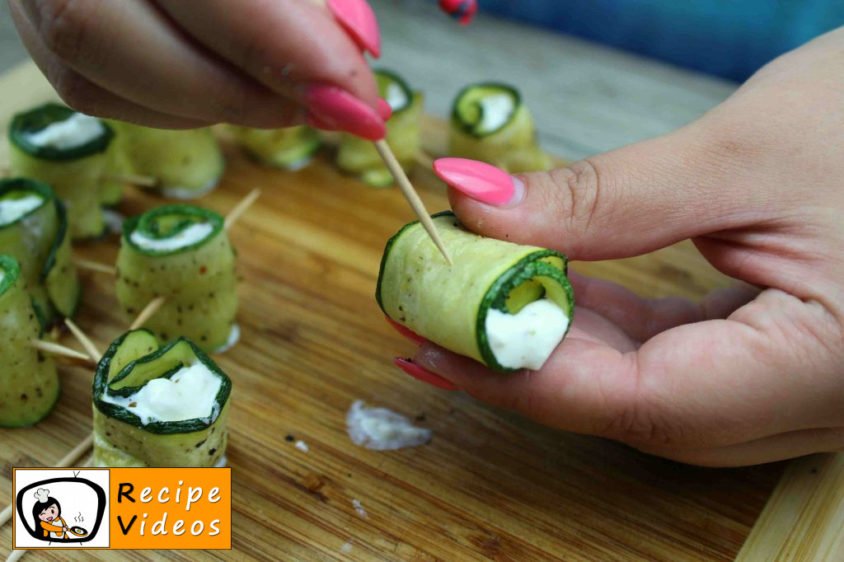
{"x":84,"y":340}
{"x":241,"y":208}
{"x":412,"y":197}
{"x":133,"y":179}
{"x":94,"y":266}
{"x":147,"y":312}
{"x":62,"y":351}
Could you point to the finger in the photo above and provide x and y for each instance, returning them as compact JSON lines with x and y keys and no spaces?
{"x":772,"y":367}
{"x":82,"y":94}
{"x":285,"y":44}
{"x":127,"y":47}
{"x":623,"y":203}
{"x":642,"y":318}
{"x":769,"y":449}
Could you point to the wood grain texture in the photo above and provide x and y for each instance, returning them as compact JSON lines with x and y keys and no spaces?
{"x":491,"y":486}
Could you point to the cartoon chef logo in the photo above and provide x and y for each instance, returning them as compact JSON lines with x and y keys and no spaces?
{"x":59,"y":512}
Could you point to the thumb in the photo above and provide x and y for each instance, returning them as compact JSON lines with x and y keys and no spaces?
{"x":622,"y":203}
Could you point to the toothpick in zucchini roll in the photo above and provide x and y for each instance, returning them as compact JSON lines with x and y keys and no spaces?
{"x":29,"y":384}
{"x":159,"y":406}
{"x":181,"y":253}
{"x":505,"y":305}
{"x":34,"y":230}
{"x":68,"y":151}
{"x":186,"y":164}
{"x":358,"y":156}
{"x":291,"y":149}
{"x":490,"y":123}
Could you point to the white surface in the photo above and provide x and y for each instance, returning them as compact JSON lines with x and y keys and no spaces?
{"x":381,"y":429}
{"x":76,"y":130}
{"x":526,"y":339}
{"x":193,"y":234}
{"x":13,"y":209}
{"x":189,"y":394}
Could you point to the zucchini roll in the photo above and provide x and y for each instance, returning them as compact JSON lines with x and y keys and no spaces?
{"x":181,"y":253}
{"x":159,"y":406}
{"x":29,"y":383}
{"x":292,"y":148}
{"x":68,"y":151}
{"x":186,"y":164}
{"x":490,"y":123}
{"x":358,"y":156}
{"x":34,"y":230}
{"x":505,"y":305}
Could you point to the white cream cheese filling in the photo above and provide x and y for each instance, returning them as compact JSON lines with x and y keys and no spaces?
{"x":193,"y":234}
{"x":13,"y":209}
{"x":2,"y":275}
{"x":190,"y":393}
{"x":526,"y":339}
{"x":76,"y":130}
{"x":381,"y":429}
{"x":396,"y":96}
{"x":495,"y":112}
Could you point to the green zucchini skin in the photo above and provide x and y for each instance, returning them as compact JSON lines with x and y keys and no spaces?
{"x":29,"y":383}
{"x":288,"y":149}
{"x":448,"y":304}
{"x":512,"y":147}
{"x":39,"y":241}
{"x":121,"y":439}
{"x":186,"y":164}
{"x":74,"y":174}
{"x":358,"y":157}
{"x":199,"y":281}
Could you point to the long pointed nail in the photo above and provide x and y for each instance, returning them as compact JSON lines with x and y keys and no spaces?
{"x":334,"y":108}
{"x":359,"y":21}
{"x":384,"y":109}
{"x":405,"y":331}
{"x":461,"y":10}
{"x":480,"y":181}
{"x":423,"y":375}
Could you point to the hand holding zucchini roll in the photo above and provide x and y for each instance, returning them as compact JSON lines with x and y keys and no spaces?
{"x":186,"y":164}
{"x":181,"y":253}
{"x":289,"y":149}
{"x":29,"y":384}
{"x":505,"y":305}
{"x":159,"y":406}
{"x":68,"y":151}
{"x":358,"y":156}
{"x":34,"y":230}
{"x":490,"y":123}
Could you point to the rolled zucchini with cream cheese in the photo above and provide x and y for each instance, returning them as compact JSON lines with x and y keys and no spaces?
{"x":68,"y":151}
{"x":186,"y":164}
{"x":181,"y":253}
{"x":34,"y":230}
{"x":490,"y":123}
{"x":29,"y":383}
{"x":505,"y":305}
{"x":159,"y":406}
{"x":292,"y":148}
{"x":358,"y":156}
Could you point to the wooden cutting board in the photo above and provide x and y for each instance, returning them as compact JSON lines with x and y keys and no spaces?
{"x":489,"y":486}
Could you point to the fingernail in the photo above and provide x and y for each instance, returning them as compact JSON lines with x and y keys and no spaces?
{"x":384,"y":109}
{"x":405,"y":331}
{"x":334,"y":108}
{"x":423,"y":375}
{"x":480,"y":181}
{"x":358,"y":19}
{"x":461,"y":10}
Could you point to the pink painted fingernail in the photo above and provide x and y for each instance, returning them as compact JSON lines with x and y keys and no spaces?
{"x":418,"y":373}
{"x":384,"y":109}
{"x":336,"y":109}
{"x":406,"y":332}
{"x":480,"y":181}
{"x":358,"y":19}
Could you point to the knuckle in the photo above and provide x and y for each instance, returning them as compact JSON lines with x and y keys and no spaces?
{"x":65,"y":27}
{"x":579,"y":193}
{"x":75,"y":91}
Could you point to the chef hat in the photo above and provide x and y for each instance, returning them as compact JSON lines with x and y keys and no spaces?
{"x":42,"y":494}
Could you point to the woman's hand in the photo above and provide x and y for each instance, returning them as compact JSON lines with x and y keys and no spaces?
{"x":170,"y":63}
{"x":748,"y":375}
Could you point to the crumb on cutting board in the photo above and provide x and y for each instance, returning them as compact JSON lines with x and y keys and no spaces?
{"x":302,"y":446}
{"x":359,"y":508}
{"x":381,"y":429}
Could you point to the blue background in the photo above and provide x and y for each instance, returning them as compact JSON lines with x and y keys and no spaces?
{"x":728,"y":38}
